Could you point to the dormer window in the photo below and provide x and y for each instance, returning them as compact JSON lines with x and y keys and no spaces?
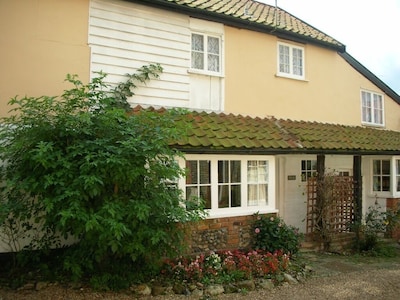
{"x":290,"y":61}
{"x":372,"y":108}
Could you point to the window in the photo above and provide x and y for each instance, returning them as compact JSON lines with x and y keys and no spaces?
{"x":397,"y":175}
{"x":290,"y":61}
{"x":198,"y":181}
{"x":372,"y":108}
{"x":257,"y":182}
{"x":206,"y":53}
{"x":381,"y":175}
{"x":230,"y":185}
{"x":308,"y":169}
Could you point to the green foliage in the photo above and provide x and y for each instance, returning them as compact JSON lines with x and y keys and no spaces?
{"x":376,"y":224}
{"x":225,"y":266}
{"x":270,"y":233}
{"x":78,"y":166}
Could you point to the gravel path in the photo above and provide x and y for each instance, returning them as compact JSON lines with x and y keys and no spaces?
{"x":335,"y":277}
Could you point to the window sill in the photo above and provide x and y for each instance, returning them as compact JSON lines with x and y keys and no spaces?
{"x":373,"y":125}
{"x":205,"y":73}
{"x":291,"y":77}
{"x":237,"y":212}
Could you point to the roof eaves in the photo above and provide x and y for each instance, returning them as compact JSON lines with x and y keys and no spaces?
{"x":370,"y":76}
{"x":235,"y":21}
{"x":280,"y":151}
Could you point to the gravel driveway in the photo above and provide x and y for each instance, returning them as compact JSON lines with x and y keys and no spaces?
{"x":334,"y":277}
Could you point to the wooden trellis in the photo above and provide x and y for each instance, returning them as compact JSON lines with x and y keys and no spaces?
{"x":340,"y":209}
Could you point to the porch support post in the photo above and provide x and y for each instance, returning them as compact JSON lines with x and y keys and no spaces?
{"x":320,"y":166}
{"x":357,"y":188}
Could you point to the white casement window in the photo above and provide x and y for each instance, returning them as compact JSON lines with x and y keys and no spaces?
{"x":381,"y":171}
{"x":230,"y":185}
{"x":372,"y":108}
{"x":206,"y":53}
{"x":290,"y":61}
{"x":397,"y":175}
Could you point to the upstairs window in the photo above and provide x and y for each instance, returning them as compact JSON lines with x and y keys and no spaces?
{"x":206,"y":53}
{"x":290,"y":61}
{"x":372,"y":108}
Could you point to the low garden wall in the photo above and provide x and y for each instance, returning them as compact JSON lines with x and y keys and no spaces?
{"x":221,"y":234}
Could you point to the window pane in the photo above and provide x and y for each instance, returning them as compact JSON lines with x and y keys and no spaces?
{"x":197,"y":60}
{"x":378,"y":109}
{"x":223,"y":171}
{"x":213,"y":62}
{"x":252,"y":194}
{"x":257,"y":188}
{"x":398,"y":184}
{"x":398,"y":167}
{"x":235,"y":171}
{"x":197,"y":42}
{"x":284,"y":59}
{"x":191,"y":177}
{"x":205,"y":194}
{"x":263,"y":194}
{"x":297,"y":62}
{"x":223,"y":196}
{"x":235,"y":196}
{"x":205,"y":171}
{"x":386,"y":167}
{"x":197,"y":51}
{"x":213,"y":45}
{"x":191,"y":193}
{"x":385,"y":183}
{"x":376,"y":167}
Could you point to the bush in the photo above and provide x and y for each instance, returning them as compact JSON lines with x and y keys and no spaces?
{"x":376,"y":224}
{"x":80,"y":166}
{"x":270,"y":233}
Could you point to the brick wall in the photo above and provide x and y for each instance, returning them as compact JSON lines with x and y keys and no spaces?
{"x":393,"y":204}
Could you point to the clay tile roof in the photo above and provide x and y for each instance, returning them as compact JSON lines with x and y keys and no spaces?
{"x":251,"y":13}
{"x":212,"y":132}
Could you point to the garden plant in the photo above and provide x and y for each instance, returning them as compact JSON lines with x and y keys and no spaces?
{"x":80,"y":172}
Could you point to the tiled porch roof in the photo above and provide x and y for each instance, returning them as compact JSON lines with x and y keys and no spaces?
{"x":250,"y":14}
{"x":212,"y":132}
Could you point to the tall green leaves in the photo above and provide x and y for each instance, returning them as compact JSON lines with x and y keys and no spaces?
{"x":80,"y":166}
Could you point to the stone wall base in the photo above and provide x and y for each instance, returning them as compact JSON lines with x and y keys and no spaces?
{"x":219,"y":234}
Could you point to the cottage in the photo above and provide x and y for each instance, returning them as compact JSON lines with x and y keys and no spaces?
{"x":272,"y":100}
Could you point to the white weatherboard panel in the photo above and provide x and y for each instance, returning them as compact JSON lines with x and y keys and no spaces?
{"x":125,"y":36}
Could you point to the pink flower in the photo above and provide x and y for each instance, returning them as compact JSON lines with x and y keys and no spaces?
{"x":257,"y":230}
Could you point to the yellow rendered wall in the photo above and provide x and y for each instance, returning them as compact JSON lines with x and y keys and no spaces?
{"x":40,"y":42}
{"x":330,"y":92}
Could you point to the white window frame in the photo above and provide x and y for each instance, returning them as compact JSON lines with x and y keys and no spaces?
{"x":290,"y":72}
{"x":205,"y":70}
{"x":373,"y":108}
{"x":382,"y":175}
{"x":245,"y":208}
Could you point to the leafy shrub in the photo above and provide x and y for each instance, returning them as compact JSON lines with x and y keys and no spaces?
{"x":80,"y":166}
{"x":270,"y":233}
{"x":376,"y":224}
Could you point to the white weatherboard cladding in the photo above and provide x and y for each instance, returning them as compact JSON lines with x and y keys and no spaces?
{"x":124,"y":36}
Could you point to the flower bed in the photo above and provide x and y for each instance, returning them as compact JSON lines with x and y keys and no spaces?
{"x":225,"y":266}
